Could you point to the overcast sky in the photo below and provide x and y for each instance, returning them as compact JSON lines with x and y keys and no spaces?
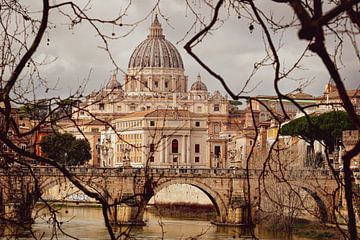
{"x":231,"y":50}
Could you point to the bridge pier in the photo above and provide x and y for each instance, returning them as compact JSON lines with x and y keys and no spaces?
{"x":237,"y":213}
{"x":128,"y":215}
{"x":129,"y":212}
{"x":17,"y":209}
{"x":17,"y":213}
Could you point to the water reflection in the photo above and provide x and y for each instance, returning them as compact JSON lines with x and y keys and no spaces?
{"x":87,"y":223}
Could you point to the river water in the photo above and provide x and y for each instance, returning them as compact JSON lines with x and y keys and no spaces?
{"x":86,"y":223}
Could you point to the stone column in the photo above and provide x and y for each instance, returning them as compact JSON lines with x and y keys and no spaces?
{"x":166,"y":150}
{"x":209,"y":155}
{"x":126,"y":82}
{"x":162,"y":150}
{"x":188,"y":155}
{"x":173,"y":85}
{"x":162,"y":84}
{"x":150,"y":84}
{"x":183,"y":150}
{"x":138,"y":85}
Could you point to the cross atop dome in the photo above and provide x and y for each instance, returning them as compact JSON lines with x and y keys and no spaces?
{"x":156,"y":29}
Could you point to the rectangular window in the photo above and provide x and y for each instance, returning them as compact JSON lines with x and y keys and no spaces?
{"x":166,"y":84}
{"x":197,"y":124}
{"x":175,"y":146}
{"x":216,"y":107}
{"x":152,"y":123}
{"x":101,"y":106}
{"x":156,"y":84}
{"x":197,"y":159}
{"x":152,"y":159}
{"x":152,"y":147}
{"x":217,"y":151}
{"x":197,"y":148}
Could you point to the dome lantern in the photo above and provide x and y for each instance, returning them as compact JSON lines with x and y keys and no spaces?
{"x":156,"y":29}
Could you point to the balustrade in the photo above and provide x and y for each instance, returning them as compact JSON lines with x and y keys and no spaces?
{"x":199,"y":172}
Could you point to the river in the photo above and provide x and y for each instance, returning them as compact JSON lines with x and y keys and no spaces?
{"x":86,"y":223}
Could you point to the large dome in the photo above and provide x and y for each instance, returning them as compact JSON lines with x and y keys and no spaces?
{"x":156,"y":51}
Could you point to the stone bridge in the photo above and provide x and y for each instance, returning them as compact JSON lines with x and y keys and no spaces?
{"x":130,"y":189}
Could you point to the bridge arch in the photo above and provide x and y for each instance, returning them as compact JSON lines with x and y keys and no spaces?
{"x":308,"y":197}
{"x":323,"y":201}
{"x":323,"y":211}
{"x":218,"y":202}
{"x":65,"y":188}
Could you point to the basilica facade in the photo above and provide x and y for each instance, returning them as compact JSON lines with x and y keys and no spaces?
{"x":156,"y":119}
{"x":152,"y":118}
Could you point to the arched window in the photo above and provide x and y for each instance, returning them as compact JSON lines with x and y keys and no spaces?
{"x":175,"y":146}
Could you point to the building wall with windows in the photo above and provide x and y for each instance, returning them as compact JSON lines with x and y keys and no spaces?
{"x":331,"y":100}
{"x":350,"y":139}
{"x":276,"y":106}
{"x":158,"y":138}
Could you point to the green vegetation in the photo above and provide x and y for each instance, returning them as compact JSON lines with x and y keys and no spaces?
{"x":235,"y":102}
{"x":326,"y":127}
{"x":315,"y":234}
{"x":35,"y":111}
{"x":66,"y":149}
{"x":306,"y":229}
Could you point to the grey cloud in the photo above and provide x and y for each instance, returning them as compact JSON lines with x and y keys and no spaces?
{"x":230,"y":50}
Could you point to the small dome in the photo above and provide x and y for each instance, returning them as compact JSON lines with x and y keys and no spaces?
{"x":198,"y":85}
{"x":156,"y":51}
{"x":113,"y":83}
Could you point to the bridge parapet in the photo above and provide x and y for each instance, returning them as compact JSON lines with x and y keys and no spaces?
{"x":298,"y":174}
{"x":188,"y":172}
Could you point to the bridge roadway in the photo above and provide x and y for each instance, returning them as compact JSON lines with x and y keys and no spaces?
{"x":226,"y":188}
